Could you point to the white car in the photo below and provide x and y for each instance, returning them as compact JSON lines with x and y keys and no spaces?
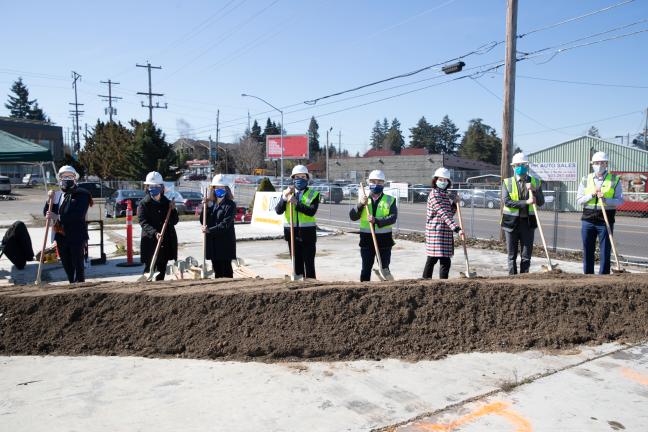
{"x":5,"y":185}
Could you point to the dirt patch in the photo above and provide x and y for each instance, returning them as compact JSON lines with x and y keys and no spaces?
{"x":266,"y":320}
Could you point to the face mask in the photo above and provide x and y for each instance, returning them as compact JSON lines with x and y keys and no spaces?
{"x":301,"y":184}
{"x":521,"y":170}
{"x":598,"y":169}
{"x":66,"y":185}
{"x":442,"y":184}
{"x":219,"y":193}
{"x":155,"y":191}
{"x":376,"y":188}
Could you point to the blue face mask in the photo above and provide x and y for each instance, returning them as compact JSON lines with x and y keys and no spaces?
{"x":376,"y":188}
{"x":521,"y":170}
{"x":301,"y":184}
{"x":220,"y":193}
{"x":155,"y":191}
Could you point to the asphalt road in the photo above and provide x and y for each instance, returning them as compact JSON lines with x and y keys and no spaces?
{"x":631,"y":233}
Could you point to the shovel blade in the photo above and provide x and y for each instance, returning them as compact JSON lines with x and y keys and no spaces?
{"x":618,"y":271}
{"x":549,"y":268}
{"x":468,"y":274}
{"x":384,"y":274}
{"x":148,"y":277}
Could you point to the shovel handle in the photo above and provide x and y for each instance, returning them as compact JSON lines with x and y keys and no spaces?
{"x":50,"y":202}
{"x":159,"y":242}
{"x":609,"y":231}
{"x":542,"y":236}
{"x":373,"y":231}
{"x":463,"y":237}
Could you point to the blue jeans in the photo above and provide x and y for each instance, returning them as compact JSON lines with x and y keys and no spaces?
{"x":368,"y":256}
{"x":589,"y":232}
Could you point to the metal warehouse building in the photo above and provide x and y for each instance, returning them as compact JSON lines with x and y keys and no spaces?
{"x":564,"y":165}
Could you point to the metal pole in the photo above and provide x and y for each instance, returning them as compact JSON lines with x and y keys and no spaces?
{"x":150,"y":95}
{"x":646,"y":131}
{"x":282,"y":150}
{"x":218,"y":132}
{"x":210,"y":158}
{"x":327,"y":156}
{"x":110,"y":111}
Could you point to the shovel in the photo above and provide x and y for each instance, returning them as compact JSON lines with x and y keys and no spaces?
{"x":294,"y":276}
{"x":47,"y":224}
{"x":204,"y":273}
{"x":549,"y":267}
{"x":383,"y":273}
{"x":152,"y":273}
{"x":467,"y":274}
{"x":618,"y":268}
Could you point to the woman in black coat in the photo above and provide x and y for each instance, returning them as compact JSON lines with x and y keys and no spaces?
{"x":221,"y":237}
{"x":151,"y":212}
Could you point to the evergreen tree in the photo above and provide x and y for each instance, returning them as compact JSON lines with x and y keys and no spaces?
{"x":20,"y":106}
{"x":480,"y":142}
{"x":394,"y":140}
{"x":256,"y":132}
{"x":594,"y":132}
{"x":448,"y":136}
{"x":422,"y":135}
{"x":313,"y":139}
{"x":104,"y":153}
{"x":271,"y":128}
{"x":385,"y":126}
{"x":377,"y":136}
{"x":149,"y":152}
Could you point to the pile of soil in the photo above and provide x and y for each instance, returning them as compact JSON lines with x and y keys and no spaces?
{"x":271,"y":320}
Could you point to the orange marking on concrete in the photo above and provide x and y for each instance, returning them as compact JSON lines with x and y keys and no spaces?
{"x":496,"y":408}
{"x":635,"y":376}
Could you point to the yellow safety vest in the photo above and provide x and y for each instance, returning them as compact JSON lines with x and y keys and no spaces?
{"x":608,"y":187}
{"x":300,"y":218}
{"x":382,"y":211}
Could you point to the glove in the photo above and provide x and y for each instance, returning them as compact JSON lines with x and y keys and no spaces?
{"x":52,"y":216}
{"x":362,"y":200}
{"x":457,"y":230}
{"x":286,"y":193}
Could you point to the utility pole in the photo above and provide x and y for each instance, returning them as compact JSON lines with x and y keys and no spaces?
{"x":509,"y":93}
{"x":150,"y":93}
{"x":249,"y":121}
{"x":110,"y":98}
{"x":646,"y":131}
{"x":76,"y":77}
{"x":327,"y":155}
{"x":339,"y":144}
{"x":218,"y":133}
{"x":210,"y":158}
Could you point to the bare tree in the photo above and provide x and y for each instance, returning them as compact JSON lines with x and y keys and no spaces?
{"x":249,"y":155}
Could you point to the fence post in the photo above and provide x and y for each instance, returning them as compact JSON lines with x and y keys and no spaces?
{"x":472,"y":213}
{"x":556,"y":207}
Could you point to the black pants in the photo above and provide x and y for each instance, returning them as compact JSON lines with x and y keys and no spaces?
{"x":305,"y":251}
{"x":443,"y":271}
{"x":368,"y":257}
{"x":522,"y":234}
{"x":222,"y":268}
{"x":72,"y":259}
{"x":160,"y":266}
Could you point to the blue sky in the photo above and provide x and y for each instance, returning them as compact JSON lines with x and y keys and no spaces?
{"x":289,"y":51}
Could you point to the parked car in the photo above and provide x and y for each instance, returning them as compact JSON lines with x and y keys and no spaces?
{"x":329,"y":194}
{"x":350,"y":190}
{"x":96,"y":189}
{"x":480,"y":198}
{"x":194,"y":177}
{"x":186,"y":201}
{"x":34,"y":179}
{"x":117,"y":202}
{"x":419,"y":193}
{"x":5,"y":185}
{"x":243,"y":215}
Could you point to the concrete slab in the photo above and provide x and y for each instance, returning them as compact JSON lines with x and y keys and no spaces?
{"x":126,"y":393}
{"x":606,"y":394}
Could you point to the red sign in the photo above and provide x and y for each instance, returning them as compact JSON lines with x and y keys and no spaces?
{"x":295,"y":147}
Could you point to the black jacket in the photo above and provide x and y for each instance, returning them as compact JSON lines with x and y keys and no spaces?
{"x":72,"y":210}
{"x":221,"y":238}
{"x":151,"y":216}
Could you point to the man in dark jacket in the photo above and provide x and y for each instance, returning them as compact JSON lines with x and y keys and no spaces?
{"x":151,"y":212}
{"x":69,"y":217}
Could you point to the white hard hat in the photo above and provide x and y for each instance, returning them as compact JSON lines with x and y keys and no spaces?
{"x":377,"y":175}
{"x":600,"y":157}
{"x":442,"y":172}
{"x":68,"y":169}
{"x":299,"y":169}
{"x":218,"y":180}
{"x":153,"y":178}
{"x":519,"y":158}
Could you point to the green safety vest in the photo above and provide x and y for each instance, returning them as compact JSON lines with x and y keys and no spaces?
{"x":300,"y":218}
{"x":608,"y":187}
{"x":384,"y":205}
{"x":514,"y":193}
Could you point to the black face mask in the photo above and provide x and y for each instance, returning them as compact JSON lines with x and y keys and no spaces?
{"x":67,"y":185}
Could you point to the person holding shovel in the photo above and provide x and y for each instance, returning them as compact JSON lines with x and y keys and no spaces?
{"x":69,"y":217}
{"x":151,"y":212}
{"x":518,"y":217}
{"x":378,"y":209}
{"x":304,"y":202}
{"x":597,"y":192}
{"x":219,"y":227}
{"x":440,"y":225}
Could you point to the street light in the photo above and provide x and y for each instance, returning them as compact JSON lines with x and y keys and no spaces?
{"x":327,"y":154}
{"x":280,"y":131}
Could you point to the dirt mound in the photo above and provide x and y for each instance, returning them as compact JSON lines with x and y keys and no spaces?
{"x":267,"y":320}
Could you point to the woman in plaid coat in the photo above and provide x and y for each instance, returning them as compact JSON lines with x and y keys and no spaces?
{"x":440,"y":225}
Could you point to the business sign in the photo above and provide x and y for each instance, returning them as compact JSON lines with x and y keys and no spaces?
{"x":295,"y":147}
{"x":264,"y":212}
{"x":555,"y":171}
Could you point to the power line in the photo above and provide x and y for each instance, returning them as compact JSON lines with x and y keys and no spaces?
{"x":583,"y":124}
{"x":595,"y":84}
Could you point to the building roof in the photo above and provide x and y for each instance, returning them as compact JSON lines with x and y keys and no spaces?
{"x":16,"y":149}
{"x":379,"y":152}
{"x":414,"y":152}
